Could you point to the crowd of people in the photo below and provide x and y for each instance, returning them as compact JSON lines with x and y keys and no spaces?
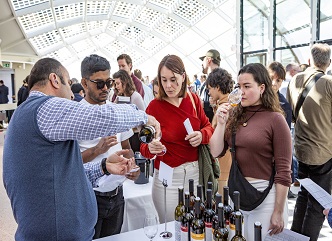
{"x":81,"y":141}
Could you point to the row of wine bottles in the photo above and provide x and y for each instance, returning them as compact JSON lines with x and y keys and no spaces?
{"x":212,"y":219}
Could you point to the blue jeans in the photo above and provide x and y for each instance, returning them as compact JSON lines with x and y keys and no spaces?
{"x":308,"y":213}
{"x":295,"y":168}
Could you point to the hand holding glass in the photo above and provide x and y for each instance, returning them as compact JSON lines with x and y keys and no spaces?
{"x":234,"y":98}
{"x":150,"y":226}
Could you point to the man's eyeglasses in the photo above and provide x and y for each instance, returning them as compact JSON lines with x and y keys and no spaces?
{"x":101,"y":83}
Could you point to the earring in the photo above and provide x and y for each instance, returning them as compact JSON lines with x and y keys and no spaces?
{"x":261,"y":94}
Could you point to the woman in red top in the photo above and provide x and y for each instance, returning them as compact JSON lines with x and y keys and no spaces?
{"x":171,"y":108}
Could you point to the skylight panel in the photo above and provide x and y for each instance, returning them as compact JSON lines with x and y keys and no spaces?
{"x":21,"y":4}
{"x":73,"y":30}
{"x":46,"y":40}
{"x":69,"y":11}
{"x":98,"y":7}
{"x":191,"y":10}
{"x":36,"y":20}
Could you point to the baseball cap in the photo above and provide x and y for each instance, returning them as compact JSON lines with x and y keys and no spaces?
{"x":213,"y":54}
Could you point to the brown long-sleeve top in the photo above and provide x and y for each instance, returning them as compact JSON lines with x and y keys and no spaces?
{"x":265,"y":139}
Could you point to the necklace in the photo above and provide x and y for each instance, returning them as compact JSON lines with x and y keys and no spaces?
{"x":246,"y":122}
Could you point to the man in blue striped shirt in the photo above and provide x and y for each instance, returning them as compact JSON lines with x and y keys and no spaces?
{"x":50,"y":194}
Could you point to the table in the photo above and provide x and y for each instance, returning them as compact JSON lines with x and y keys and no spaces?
{"x":138,"y":235}
{"x":138,"y":203}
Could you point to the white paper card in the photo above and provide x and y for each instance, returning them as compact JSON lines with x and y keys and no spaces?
{"x":317,"y":192}
{"x":188,"y":126}
{"x":165,"y":173}
{"x":286,"y":235}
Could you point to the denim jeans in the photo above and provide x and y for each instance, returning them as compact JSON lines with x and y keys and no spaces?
{"x":308,"y":213}
{"x":295,"y":168}
{"x":110,"y":215}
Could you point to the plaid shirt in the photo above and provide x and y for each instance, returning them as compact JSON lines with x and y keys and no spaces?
{"x":61,"y":119}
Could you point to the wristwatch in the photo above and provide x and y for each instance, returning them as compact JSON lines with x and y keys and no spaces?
{"x":103,"y":166}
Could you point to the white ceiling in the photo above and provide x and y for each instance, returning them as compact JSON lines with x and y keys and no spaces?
{"x":147,"y":30}
{"x":69,"y":30}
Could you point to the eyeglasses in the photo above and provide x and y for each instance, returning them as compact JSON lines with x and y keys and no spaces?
{"x":101,"y":83}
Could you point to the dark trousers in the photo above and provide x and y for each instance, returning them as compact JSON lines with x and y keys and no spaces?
{"x":308,"y":213}
{"x":110,"y":215}
{"x":208,"y":110}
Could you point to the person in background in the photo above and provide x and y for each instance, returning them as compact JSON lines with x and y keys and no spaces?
{"x":155,"y":87}
{"x":73,"y":81}
{"x":291,"y":70}
{"x":277,"y":75}
{"x":263,"y":143}
{"x":312,"y":142}
{"x":172,"y":107}
{"x":23,"y":92}
{"x":49,"y":188}
{"x":109,"y":193}
{"x":3,"y":93}
{"x":125,"y":63}
{"x":78,"y":91}
{"x":220,"y":84}
{"x":197,"y":84}
{"x":303,"y":67}
{"x":148,"y":95}
{"x":210,"y":61}
{"x":124,"y":86}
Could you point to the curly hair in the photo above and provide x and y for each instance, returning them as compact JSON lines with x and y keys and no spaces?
{"x":269,"y":99}
{"x":220,"y":78}
{"x":127,"y":82}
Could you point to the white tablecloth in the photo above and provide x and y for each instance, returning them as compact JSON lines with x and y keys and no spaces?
{"x":138,"y":235}
{"x":138,"y":203}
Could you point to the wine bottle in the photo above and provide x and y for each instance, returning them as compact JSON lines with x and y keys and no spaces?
{"x":258,"y":231}
{"x":178,"y":213}
{"x":227,"y":208}
{"x":186,"y":219}
{"x":238,"y":228}
{"x":200,"y":195}
{"x":208,"y":215}
{"x":215,"y":217}
{"x":192,"y":195}
{"x":236,"y":198}
{"x":197,"y":225}
{"x":147,"y":134}
{"x":221,"y":233}
{"x":210,"y":186}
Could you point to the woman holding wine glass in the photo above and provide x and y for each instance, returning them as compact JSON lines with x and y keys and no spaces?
{"x":262,"y":146}
{"x":171,"y":108}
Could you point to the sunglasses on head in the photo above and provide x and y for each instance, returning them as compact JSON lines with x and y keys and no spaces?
{"x":101,"y":83}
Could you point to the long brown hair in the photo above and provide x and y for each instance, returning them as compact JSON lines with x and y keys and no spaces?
{"x":269,"y":99}
{"x":175,"y":64}
{"x":127,"y":82}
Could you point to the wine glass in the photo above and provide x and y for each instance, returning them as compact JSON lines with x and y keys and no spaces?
{"x":150,"y":226}
{"x":234,"y":98}
{"x":158,"y":138}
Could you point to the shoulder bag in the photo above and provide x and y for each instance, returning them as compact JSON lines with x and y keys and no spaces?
{"x":250,"y":197}
{"x":209,"y":170}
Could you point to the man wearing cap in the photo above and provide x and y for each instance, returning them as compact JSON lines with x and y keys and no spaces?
{"x":211,"y":60}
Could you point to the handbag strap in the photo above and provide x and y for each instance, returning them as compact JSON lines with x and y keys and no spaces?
{"x":192,"y":101}
{"x":312,"y":81}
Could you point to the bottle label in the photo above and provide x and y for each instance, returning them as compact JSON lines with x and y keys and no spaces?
{"x":184,"y":233}
{"x":198,"y":237}
{"x":208,"y":231}
{"x":177,"y":231}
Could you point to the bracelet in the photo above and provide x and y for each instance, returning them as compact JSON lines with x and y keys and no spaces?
{"x":103,"y":166}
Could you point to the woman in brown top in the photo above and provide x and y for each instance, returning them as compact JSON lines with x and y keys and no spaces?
{"x":219,"y":84}
{"x":262,"y":139}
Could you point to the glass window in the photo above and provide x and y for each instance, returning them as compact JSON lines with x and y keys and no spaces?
{"x":325,"y":19}
{"x":296,"y":55}
{"x":292,"y":22}
{"x":255,"y":25}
